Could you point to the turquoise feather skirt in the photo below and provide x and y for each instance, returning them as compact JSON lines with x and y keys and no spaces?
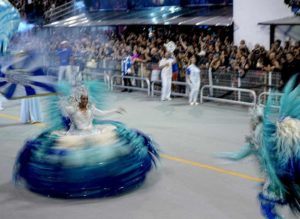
{"x":88,"y":171}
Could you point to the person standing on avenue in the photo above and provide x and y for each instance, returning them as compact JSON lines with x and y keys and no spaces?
{"x":193,"y":78}
{"x":31,"y":110}
{"x":2,"y":99}
{"x":165,"y":65}
{"x":1,"y":107}
{"x":64,"y":54}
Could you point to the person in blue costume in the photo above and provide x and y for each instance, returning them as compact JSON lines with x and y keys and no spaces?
{"x":82,"y":156}
{"x":275,"y":142}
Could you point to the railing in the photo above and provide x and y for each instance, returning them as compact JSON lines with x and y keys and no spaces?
{"x":275,"y":101}
{"x":222,"y":86}
{"x":112,"y":85}
{"x":62,"y":11}
{"x":202,"y":97}
{"x":174,"y":93}
{"x":94,"y":74}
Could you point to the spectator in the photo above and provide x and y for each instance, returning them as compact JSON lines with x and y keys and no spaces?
{"x":126,"y":71}
{"x":271,"y":64}
{"x":242,"y":66}
{"x":289,"y":68}
{"x":215,"y":63}
{"x":155,"y":57}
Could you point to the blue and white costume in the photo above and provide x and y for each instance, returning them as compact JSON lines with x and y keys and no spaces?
{"x":275,"y":141}
{"x":126,"y":66}
{"x":126,"y":71}
{"x":193,"y":74}
{"x":80,"y":156}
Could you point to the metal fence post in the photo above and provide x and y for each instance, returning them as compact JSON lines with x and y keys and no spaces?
{"x":239,"y":85}
{"x":270,"y":80}
{"x":210,"y":82}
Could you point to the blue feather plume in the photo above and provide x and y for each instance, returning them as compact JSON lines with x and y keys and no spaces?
{"x":9,"y":22}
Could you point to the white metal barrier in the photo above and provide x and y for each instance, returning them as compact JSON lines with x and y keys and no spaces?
{"x":260,"y":98}
{"x":68,"y":9}
{"x":210,"y":82}
{"x":57,"y":12}
{"x":226,"y":100}
{"x":153,"y":91}
{"x":112,"y":85}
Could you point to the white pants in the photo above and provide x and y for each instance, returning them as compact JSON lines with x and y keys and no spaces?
{"x":166,"y":86}
{"x":30,"y":110}
{"x":77,"y":74}
{"x":65,"y":73}
{"x":194,"y":91}
{"x":1,"y":101}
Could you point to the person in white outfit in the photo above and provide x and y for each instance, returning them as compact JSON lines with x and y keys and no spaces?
{"x":165,"y":65}
{"x":2,"y":99}
{"x":31,"y":110}
{"x":1,"y":107}
{"x":1,"y":96}
{"x":193,"y":78}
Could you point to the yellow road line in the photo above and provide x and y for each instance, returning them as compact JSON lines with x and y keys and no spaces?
{"x":211,"y":168}
{"x":15,"y":118}
{"x":6,"y":116}
{"x":176,"y":159}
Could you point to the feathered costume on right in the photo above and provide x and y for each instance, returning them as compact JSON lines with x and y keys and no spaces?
{"x":276,"y":144}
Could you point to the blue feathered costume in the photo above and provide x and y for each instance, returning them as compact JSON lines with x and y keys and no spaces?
{"x":275,"y":141}
{"x":106,"y":160}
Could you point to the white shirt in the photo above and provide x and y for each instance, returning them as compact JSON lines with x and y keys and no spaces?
{"x":194,"y":72}
{"x":84,"y":120}
{"x":167,"y":71}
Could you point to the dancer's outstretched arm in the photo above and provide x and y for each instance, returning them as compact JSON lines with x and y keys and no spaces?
{"x":244,"y":152}
{"x":98,"y":112}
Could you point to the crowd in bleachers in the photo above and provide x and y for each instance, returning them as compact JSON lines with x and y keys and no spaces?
{"x":35,"y":9}
{"x":213,"y":50}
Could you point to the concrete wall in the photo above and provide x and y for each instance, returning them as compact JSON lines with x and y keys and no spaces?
{"x":248,"y":13}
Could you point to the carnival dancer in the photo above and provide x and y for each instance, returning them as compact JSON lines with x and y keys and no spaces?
{"x":275,"y":141}
{"x":80,"y":156}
